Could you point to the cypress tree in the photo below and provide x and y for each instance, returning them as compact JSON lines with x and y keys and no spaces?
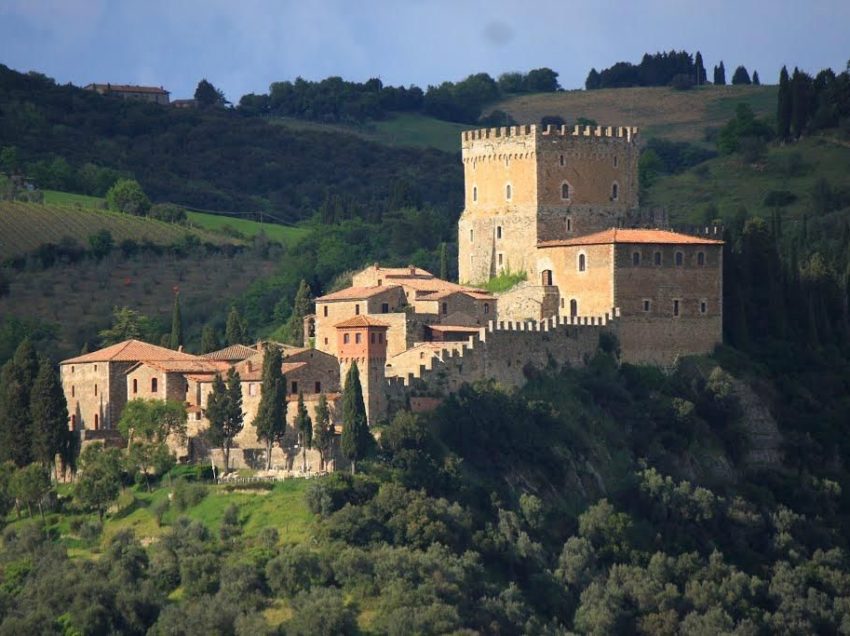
{"x":356,"y":439}
{"x":224,"y":412}
{"x":176,"y":340}
{"x":741,"y":76}
{"x":800,"y":98}
{"x":270,"y":420}
{"x":720,"y":74}
{"x":324,"y":433}
{"x":49,"y":415}
{"x":783,"y":106}
{"x":235,"y":331}
{"x":756,"y":80}
{"x":700,"y":70}
{"x":305,"y":429}
{"x":209,"y":339}
{"x":444,"y":262}
{"x":301,"y":307}
{"x":16,"y":380}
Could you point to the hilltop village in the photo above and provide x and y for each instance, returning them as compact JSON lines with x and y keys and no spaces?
{"x":559,"y":204}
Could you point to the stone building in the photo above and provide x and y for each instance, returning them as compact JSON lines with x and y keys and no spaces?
{"x":153,"y":94}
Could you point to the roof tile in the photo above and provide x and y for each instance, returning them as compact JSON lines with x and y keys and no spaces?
{"x":628,"y":235}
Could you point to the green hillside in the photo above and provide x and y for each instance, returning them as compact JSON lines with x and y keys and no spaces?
{"x":26,"y":226}
{"x":245,"y":227}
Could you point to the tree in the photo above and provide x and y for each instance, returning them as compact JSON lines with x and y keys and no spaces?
{"x":176,"y":340}
{"x":324,"y":434}
{"x":127,"y":196}
{"x":208,"y":96}
{"x":700,"y":75}
{"x":101,"y":243}
{"x":356,"y":440}
{"x":783,"y":107}
{"x":756,"y":80}
{"x":224,"y":412}
{"x":49,"y":412}
{"x":542,"y":80}
{"x":304,"y":426}
{"x":740,"y":76}
{"x":234,"y":333}
{"x":593,"y":80}
{"x":100,"y":477}
{"x":720,"y":75}
{"x":147,"y":425}
{"x":16,"y":379}
{"x":301,"y":307}
{"x":29,"y":486}
{"x":127,"y":324}
{"x":801,"y":89}
{"x":270,"y":420}
{"x":209,"y":339}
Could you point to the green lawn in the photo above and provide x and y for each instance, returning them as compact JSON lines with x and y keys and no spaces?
{"x":54,"y":197}
{"x":276,"y":232}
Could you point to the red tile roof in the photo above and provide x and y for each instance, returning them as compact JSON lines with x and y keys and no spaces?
{"x":626,"y":235}
{"x":361,"y":321}
{"x":188,"y":366}
{"x":233,"y":352}
{"x":454,"y":328}
{"x":131,"y":351}
{"x":357,"y":293}
{"x":478,"y":295}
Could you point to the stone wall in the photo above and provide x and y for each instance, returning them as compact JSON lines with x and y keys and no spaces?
{"x":94,"y":388}
{"x":593,"y":288}
{"x":528,"y":301}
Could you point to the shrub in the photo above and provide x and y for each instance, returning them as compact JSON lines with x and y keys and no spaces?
{"x":321,"y":612}
{"x":294,"y":570}
{"x":159,"y":508}
{"x":168,"y":212}
{"x":90,"y":531}
{"x":186,"y":495}
{"x":127,"y":196}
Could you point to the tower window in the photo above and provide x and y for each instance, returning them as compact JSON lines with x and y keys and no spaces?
{"x":486,"y":308}
{"x":647,"y":305}
{"x":657,"y":259}
{"x":325,"y":311}
{"x":475,"y":193}
{"x":703,"y":307}
{"x":565,"y":190}
{"x":498,"y":231}
{"x":680,"y":259}
{"x":573,"y":307}
{"x":582,"y":263}
{"x":95,"y":389}
{"x":357,"y":338}
{"x":615,"y":192}
{"x":569,"y":224}
{"x":615,"y":161}
{"x":676,"y":307}
{"x":562,"y":160}
{"x":135,"y":386}
{"x":508,"y":192}
{"x":385,"y":308}
{"x":635,"y":258}
{"x":96,"y":421}
{"x":294,"y":387}
{"x":471,"y":236}
{"x":701,"y":258}
{"x":500,"y":257}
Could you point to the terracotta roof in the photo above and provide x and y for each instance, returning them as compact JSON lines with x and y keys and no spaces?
{"x":394,"y":272}
{"x":478,"y":295}
{"x":625,"y":235}
{"x":445,"y":328}
{"x":361,"y":321}
{"x":357,"y":293}
{"x":187,"y":366}
{"x":131,"y":351}
{"x":129,"y":88}
{"x":233,"y":352}
{"x":292,"y":366}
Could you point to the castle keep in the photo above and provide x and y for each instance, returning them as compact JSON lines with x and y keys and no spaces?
{"x":560,"y":204}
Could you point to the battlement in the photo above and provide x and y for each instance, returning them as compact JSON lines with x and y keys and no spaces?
{"x":629,"y":133}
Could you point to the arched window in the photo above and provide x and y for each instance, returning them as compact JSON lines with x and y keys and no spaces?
{"x":565,"y":190}
{"x":573,"y":307}
{"x":475,"y":193}
{"x":657,"y":259}
{"x":680,"y":259}
{"x":635,"y":258}
{"x":615,"y":191}
{"x":546,"y":278}
{"x":701,"y":259}
{"x":582,"y":263}
{"x":508,"y":192}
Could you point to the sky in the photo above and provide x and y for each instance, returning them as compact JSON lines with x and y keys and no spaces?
{"x":241,"y":46}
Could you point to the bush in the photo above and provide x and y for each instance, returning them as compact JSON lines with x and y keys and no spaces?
{"x":294,"y":570}
{"x":168,"y":212}
{"x":127,"y":196}
{"x":321,"y":612}
{"x":186,"y":495}
{"x":90,"y":531}
{"x":159,"y":508}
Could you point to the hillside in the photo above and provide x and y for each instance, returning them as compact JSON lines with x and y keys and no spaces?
{"x":659,"y":112}
{"x":26,"y":226}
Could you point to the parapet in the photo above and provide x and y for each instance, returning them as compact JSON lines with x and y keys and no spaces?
{"x":629,"y":133}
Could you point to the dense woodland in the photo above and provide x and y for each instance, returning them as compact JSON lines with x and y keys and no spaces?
{"x":611,"y":499}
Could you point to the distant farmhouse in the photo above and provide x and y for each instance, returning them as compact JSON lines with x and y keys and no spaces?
{"x":559,"y":204}
{"x":153,"y":94}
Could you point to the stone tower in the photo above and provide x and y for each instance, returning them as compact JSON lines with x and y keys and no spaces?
{"x":363,"y":340}
{"x":524,"y":184}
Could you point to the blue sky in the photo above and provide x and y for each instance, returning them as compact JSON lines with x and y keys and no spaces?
{"x":242,"y":46}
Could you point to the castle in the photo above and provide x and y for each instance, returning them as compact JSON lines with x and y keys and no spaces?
{"x":560,"y":205}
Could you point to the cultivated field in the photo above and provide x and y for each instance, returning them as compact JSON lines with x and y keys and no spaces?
{"x":219,"y":223}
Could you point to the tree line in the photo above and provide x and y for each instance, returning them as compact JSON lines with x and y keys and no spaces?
{"x":807,"y":104}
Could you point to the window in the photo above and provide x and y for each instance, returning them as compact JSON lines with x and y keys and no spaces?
{"x":703,"y":307}
{"x":345,"y":338}
{"x":326,"y":341}
{"x":701,"y":259}
{"x":582,"y":263}
{"x":562,"y":160}
{"x":73,"y":391}
{"x":475,"y":193}
{"x":565,"y":190}
{"x":294,"y":387}
{"x":445,"y":308}
{"x":573,"y":307}
{"x":154,"y":385}
{"x":380,"y":338}
{"x":615,"y":192}
{"x":357,"y":338}
{"x":486,"y":308}
{"x":325,"y":311}
{"x":96,"y":421}
{"x":680,"y":259}
{"x":508,"y":192}
{"x":500,"y":258}
{"x":95,"y":389}
{"x":380,"y":282}
{"x":656,"y":258}
{"x":635,"y":258}
{"x":372,"y":337}
{"x":135,"y":386}
{"x":569,"y":224}
{"x":252,"y":388}
{"x":647,"y":305}
{"x":72,"y":369}
{"x":498,"y":231}
{"x":546,"y":278}
{"x":385,"y":308}
{"x":615,"y":161}
{"x":471,"y":236}
{"x":95,"y":367}
{"x":357,"y":309}
{"x":676,"y":307}
{"x":317,"y":387}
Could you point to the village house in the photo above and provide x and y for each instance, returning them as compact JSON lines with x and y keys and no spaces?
{"x":153,"y":94}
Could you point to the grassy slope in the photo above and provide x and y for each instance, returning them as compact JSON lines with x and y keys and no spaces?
{"x":28,"y":225}
{"x":659,"y":112}
{"x":275,"y":232}
{"x":729,"y":184}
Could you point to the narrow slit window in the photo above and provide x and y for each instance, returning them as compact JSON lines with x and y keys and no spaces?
{"x":647,"y":305}
{"x":562,"y":160}
{"x":565,"y":191}
{"x":615,"y":191}
{"x":475,"y":193}
{"x":582,"y":263}
{"x":508,"y":192}
{"x":675,"y":307}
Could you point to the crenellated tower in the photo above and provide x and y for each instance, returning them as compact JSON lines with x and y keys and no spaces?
{"x":524,"y":184}
{"x":363,"y":340}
